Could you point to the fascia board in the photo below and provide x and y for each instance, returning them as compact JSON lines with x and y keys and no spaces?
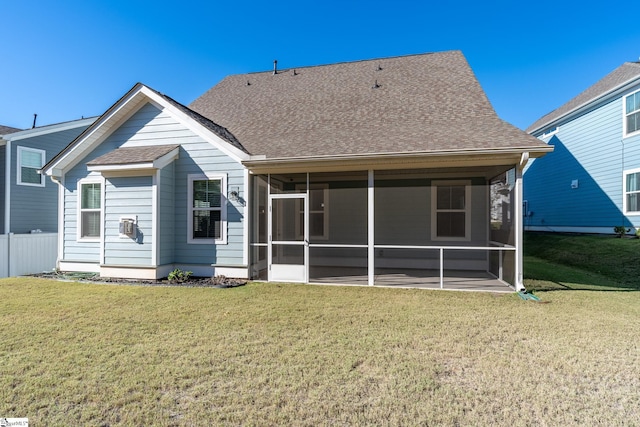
{"x":97,"y":132}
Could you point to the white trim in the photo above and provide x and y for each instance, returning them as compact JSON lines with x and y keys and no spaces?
{"x":7,"y":189}
{"x":467,"y":210}
{"x":43,"y":155}
{"x":625,"y":134}
{"x":223,"y":208}
{"x":155,"y":218}
{"x":247,"y":217}
{"x":80,"y":183}
{"x":325,"y":210}
{"x":624,"y":191}
{"x":371,"y":253}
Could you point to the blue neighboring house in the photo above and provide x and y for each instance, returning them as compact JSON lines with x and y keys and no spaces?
{"x":591,"y":181}
{"x":28,"y":200}
{"x":355,"y":169}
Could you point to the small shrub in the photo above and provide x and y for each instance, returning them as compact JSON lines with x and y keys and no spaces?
{"x":620,"y":230}
{"x":179,"y":276}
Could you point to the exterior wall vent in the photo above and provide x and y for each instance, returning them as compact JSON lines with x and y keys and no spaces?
{"x":128,"y":227}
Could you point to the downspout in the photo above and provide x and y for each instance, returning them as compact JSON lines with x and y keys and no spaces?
{"x":518,"y":220}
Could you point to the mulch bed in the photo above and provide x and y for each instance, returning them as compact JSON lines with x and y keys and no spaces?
{"x":220,"y":282}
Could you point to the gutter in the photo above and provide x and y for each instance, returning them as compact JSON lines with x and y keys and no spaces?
{"x":385,"y":157}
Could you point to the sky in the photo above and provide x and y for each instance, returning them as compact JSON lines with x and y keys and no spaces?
{"x":66,"y":59}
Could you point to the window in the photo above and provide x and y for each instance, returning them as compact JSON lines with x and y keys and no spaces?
{"x":632,"y":113}
{"x":90,"y":210}
{"x":450,"y":219}
{"x":207,"y":209}
{"x":30,"y":161}
{"x":631,"y":200}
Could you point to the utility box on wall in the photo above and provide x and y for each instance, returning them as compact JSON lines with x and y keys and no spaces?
{"x":128,"y":227}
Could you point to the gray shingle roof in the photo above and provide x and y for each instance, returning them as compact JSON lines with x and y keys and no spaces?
{"x":132,"y":155}
{"x":419,"y":103}
{"x":8,"y":129}
{"x":618,"y":77}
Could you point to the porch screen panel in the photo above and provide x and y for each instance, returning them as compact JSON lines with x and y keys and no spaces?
{"x":402,"y":208}
{"x":260,"y":205}
{"x":338,"y":208}
{"x":502,"y":208}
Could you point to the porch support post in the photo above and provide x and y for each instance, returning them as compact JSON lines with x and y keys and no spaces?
{"x":518,"y":223}
{"x":371,"y":253}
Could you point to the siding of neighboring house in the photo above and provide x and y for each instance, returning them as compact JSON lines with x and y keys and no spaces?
{"x":35,"y":207}
{"x":151,"y":126}
{"x":589,"y":150}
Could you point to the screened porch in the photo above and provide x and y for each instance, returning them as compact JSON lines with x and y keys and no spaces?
{"x":433,"y":228}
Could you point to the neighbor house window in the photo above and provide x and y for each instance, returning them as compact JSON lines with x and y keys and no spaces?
{"x":632,"y":113}
{"x":450,"y":219}
{"x":90,"y":210}
{"x":632,"y":192}
{"x":30,"y":160}
{"x":207,"y":209}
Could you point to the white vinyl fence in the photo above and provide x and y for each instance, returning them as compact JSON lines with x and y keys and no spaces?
{"x":27,"y":253}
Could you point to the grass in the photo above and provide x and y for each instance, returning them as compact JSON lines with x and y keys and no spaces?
{"x":557,"y":261}
{"x":272,"y":354}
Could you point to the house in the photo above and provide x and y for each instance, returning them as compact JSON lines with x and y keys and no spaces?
{"x":29,"y":201}
{"x":360,"y":171}
{"x":591,"y":181}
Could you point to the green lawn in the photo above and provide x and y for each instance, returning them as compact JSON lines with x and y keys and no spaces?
{"x":271,"y":354}
{"x":557,"y":261}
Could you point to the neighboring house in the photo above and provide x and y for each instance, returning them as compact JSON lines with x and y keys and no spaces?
{"x":28,"y":200}
{"x":591,"y":181}
{"x":353,"y":169}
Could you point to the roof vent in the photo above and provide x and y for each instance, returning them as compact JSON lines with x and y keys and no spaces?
{"x":294,"y":72}
{"x":375,"y":85}
{"x":379,"y":68}
{"x":275,"y":66}
{"x":248,"y":83}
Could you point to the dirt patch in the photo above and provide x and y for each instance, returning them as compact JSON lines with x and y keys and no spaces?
{"x":220,"y":282}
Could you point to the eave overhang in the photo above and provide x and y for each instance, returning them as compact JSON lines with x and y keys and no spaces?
{"x":388,"y":161}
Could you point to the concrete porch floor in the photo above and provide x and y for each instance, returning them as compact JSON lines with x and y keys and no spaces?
{"x":457,"y":280}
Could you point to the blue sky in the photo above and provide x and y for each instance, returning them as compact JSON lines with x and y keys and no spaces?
{"x":67,"y":59}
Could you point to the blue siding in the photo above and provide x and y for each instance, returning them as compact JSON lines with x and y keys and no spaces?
{"x":37,"y":207}
{"x":166,"y":238}
{"x":151,"y":126}
{"x":588,"y":149}
{"x":128,"y":197}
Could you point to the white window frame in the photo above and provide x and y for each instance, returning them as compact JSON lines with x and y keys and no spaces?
{"x":625,"y":133}
{"x":625,"y":192}
{"x":325,"y":210}
{"x":43,"y":156}
{"x":223,"y":209}
{"x":466,"y":210}
{"x":82,"y":182}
